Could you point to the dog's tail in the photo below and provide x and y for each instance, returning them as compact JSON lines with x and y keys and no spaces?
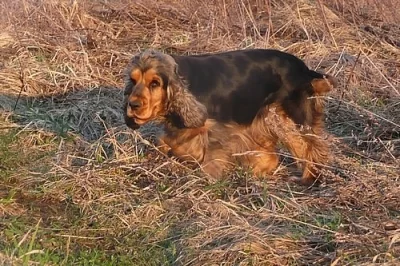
{"x":322,"y":83}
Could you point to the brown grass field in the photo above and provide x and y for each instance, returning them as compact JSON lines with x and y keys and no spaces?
{"x":79,"y":188}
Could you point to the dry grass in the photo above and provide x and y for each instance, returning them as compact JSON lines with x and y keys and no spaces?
{"x":78,"y":188}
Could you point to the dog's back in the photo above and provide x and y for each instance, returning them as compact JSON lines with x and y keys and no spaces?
{"x":235,"y":85}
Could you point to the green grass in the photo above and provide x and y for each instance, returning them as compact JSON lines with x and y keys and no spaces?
{"x":330,"y":221}
{"x":16,"y":156}
{"x":9,"y":158}
{"x":35,"y":239}
{"x":59,"y":124}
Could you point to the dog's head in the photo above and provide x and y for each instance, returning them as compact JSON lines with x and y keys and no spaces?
{"x":154,"y":90}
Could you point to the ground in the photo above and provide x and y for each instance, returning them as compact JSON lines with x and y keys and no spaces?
{"x":79,"y":188}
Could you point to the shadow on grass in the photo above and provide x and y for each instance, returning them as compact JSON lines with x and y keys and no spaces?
{"x":365,"y":130}
{"x":88,"y":113}
{"x":92,"y":120}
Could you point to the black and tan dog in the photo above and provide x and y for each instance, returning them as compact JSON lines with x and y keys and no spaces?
{"x":245,"y":101}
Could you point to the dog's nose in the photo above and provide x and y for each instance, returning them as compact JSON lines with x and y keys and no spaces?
{"x":135,"y":104}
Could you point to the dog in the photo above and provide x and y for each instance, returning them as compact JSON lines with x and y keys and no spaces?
{"x":199,"y":97}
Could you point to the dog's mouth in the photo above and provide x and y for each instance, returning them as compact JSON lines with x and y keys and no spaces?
{"x":133,"y":120}
{"x":140,"y":121}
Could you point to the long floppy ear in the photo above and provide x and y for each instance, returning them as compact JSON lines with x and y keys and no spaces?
{"x":183,"y":103}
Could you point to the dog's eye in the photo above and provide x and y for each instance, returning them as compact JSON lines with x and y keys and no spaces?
{"x":154,"y":84}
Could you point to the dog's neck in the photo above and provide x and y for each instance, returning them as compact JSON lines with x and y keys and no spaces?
{"x":174,"y":122}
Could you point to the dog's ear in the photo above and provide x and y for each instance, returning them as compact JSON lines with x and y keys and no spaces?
{"x":128,"y":86}
{"x":183,"y":103}
{"x":128,"y":83}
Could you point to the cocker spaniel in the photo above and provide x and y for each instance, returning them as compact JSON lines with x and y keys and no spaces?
{"x":231,"y":107}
